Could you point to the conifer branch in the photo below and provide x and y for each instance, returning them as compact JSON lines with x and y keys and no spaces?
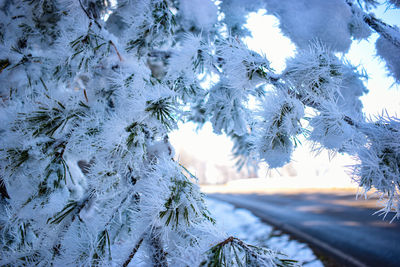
{"x":133,"y":252}
{"x":175,"y":48}
{"x":379,"y":26}
{"x":159,"y":254}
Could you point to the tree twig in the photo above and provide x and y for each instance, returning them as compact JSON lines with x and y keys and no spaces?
{"x":379,"y":26}
{"x":88,"y":15}
{"x":84,"y":9}
{"x":159,"y":255}
{"x":116,"y":50}
{"x":133,"y":252}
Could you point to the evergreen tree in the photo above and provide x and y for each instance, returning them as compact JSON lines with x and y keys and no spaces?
{"x":91,"y":88}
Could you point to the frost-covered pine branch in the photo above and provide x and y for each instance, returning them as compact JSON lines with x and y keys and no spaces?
{"x":91,"y":89}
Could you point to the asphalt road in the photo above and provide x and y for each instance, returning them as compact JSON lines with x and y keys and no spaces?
{"x":335,"y":224}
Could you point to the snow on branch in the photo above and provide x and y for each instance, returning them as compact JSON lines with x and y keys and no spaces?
{"x":92,"y":89}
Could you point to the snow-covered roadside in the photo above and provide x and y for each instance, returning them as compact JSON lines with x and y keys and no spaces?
{"x":246,"y":226}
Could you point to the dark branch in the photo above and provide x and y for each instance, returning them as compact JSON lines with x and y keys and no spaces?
{"x":380,"y":27}
{"x":84,"y":9}
{"x":88,"y":15}
{"x":133,"y":252}
{"x":3,"y":189}
{"x":159,"y":255}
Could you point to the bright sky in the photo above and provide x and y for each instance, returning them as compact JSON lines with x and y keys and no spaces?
{"x":267,"y":39}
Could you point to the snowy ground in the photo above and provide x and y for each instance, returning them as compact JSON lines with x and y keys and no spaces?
{"x":243,"y":224}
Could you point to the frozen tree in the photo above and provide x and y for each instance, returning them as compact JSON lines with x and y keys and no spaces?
{"x":90,"y":90}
